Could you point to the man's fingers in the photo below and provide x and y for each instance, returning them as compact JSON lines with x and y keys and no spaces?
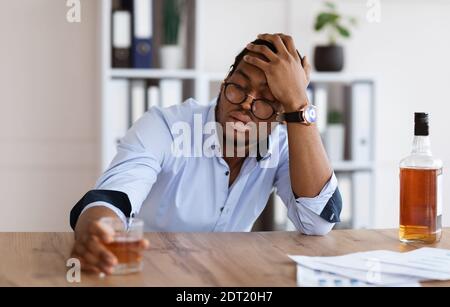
{"x":91,"y":258}
{"x":289,"y":43}
{"x":106,"y":268}
{"x":95,"y":263}
{"x":144,"y":244}
{"x":88,"y":268}
{"x":276,"y":41}
{"x":307,"y":67}
{"x":263,"y":65}
{"x":95,"y":255}
{"x":100,"y":251}
{"x":104,"y":232}
{"x":264,"y":50}
{"x":79,"y":248}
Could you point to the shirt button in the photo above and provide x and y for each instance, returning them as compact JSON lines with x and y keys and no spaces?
{"x":227,"y":173}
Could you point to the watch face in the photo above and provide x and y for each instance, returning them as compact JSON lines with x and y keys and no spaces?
{"x":310,"y":114}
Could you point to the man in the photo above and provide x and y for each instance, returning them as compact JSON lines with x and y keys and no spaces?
{"x":222,"y":185}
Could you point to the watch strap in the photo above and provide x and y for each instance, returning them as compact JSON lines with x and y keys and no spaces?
{"x":294,"y":117}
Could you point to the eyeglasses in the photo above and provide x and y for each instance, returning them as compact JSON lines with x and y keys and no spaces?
{"x":261,"y":108}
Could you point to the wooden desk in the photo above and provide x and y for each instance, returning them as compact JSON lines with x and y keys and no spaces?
{"x":193,"y":259}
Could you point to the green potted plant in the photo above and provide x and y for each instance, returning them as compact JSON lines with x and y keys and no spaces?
{"x":330,"y":57}
{"x":171,"y":50}
{"x":335,"y":135}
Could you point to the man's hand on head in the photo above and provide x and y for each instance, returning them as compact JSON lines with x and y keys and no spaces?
{"x":287,"y":74}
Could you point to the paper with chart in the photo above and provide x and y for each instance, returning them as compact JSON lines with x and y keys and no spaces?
{"x":307,"y":277}
{"x":369,"y":272}
{"x":379,"y":267}
{"x":434,"y":260}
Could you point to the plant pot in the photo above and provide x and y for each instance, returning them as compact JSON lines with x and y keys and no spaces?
{"x":171,"y":57}
{"x":329,"y":58}
{"x":335,"y":141}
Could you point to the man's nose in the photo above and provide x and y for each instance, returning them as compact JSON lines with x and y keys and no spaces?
{"x":247,"y":104}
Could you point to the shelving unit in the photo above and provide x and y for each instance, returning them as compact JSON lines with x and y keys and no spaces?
{"x":203,"y":85}
{"x":153,"y":73}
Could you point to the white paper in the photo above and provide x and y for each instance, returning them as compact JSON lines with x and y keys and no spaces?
{"x":307,"y":277}
{"x":435,"y":260}
{"x":370,"y":274}
{"x":379,"y":267}
{"x":373,"y":261}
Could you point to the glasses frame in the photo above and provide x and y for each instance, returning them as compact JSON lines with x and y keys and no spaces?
{"x":254,"y":100}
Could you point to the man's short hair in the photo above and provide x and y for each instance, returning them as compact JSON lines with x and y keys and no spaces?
{"x":241,"y":54}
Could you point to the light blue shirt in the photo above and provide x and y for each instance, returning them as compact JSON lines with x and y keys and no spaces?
{"x":191,"y":194}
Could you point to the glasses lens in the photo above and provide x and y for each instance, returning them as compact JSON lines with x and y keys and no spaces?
{"x":262,"y":109}
{"x":234,"y":93}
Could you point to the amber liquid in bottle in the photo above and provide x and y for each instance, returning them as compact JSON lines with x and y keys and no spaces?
{"x":420,"y":189}
{"x":419,"y":218}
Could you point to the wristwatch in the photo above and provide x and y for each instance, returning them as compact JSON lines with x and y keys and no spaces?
{"x":306,"y":116}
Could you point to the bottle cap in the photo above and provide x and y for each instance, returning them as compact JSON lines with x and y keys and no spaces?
{"x":421,"y":123}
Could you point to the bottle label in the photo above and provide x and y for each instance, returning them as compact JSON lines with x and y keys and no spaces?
{"x":439,"y":192}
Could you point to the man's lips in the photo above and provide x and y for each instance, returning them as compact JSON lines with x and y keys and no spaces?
{"x":240,"y":117}
{"x":240,"y":121}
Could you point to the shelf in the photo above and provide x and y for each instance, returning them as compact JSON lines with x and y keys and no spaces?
{"x":132,"y":73}
{"x":315,"y":77}
{"x":351,"y":166}
{"x":157,"y":73}
{"x":340,"y":77}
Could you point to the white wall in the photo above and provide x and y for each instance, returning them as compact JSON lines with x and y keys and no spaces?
{"x":231,"y":24}
{"x":49,"y":91}
{"x":49,"y":111}
{"x":408,"y":51}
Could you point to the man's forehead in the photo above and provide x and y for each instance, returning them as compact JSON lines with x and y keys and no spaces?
{"x":251,"y":72}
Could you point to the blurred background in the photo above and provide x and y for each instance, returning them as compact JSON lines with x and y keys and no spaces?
{"x":74,"y":75}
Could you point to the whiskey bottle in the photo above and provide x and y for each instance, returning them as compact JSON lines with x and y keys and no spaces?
{"x":420,"y":189}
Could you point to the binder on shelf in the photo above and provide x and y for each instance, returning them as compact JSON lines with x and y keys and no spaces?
{"x":116,"y":119}
{"x":121,"y":39}
{"x":171,"y":92}
{"x":122,"y":5}
{"x":153,"y":96}
{"x":345,"y":188}
{"x":143,"y":32}
{"x":361,"y":121}
{"x":138,"y":99}
{"x":362,"y":198}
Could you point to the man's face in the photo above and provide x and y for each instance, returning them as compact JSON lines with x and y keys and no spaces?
{"x":254,"y":82}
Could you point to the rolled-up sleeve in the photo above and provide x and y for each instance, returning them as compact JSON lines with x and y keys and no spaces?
{"x":312,"y":216}
{"x":127,"y":181}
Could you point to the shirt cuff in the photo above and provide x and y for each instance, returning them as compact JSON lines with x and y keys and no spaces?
{"x":116,"y":210}
{"x":318,"y":203}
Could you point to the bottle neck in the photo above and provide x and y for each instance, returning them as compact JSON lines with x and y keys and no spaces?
{"x":421,"y":145}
